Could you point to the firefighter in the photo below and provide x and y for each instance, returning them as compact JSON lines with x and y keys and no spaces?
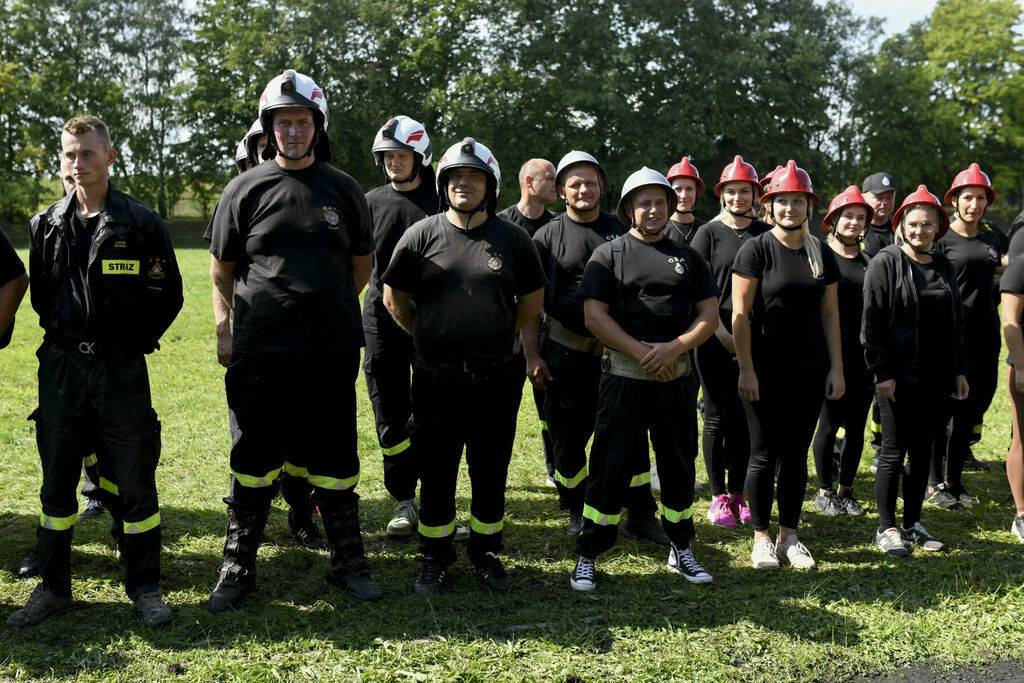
{"x":291,"y":242}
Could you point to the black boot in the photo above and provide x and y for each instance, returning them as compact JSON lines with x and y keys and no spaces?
{"x":238,"y":573}
{"x":349,"y":569}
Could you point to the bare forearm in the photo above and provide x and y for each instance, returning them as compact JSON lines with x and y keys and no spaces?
{"x":399,"y":305}
{"x":222,"y":273}
{"x":11,"y":295}
{"x":530,"y":332}
{"x":741,"y":337}
{"x":832,"y":341}
{"x":361,"y":266}
{"x":221,"y":310}
{"x":528,"y":308}
{"x":604,"y":327}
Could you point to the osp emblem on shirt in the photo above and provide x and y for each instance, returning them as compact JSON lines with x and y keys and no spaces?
{"x":993,"y":254}
{"x":680,"y":268}
{"x":331,"y":217}
{"x":494,"y":263}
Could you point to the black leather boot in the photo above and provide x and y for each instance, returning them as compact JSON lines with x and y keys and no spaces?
{"x":349,"y":569}
{"x":238,"y":572}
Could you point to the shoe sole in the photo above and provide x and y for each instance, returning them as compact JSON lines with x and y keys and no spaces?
{"x":765,"y":565}
{"x":692,"y":579}
{"x":399,"y":533}
{"x":723,"y":525}
{"x":582,"y":586}
{"x":894,"y":552}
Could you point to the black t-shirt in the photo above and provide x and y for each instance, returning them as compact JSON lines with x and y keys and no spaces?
{"x":73,"y":314}
{"x":565,"y":246}
{"x":1012,"y":280}
{"x":850,"y":293}
{"x":718,"y":244}
{"x":878,"y":237}
{"x":1016,"y":247}
{"x":531,"y":225}
{"x":683,"y":233}
{"x":974,"y":260}
{"x":291,"y":235}
{"x":786,"y":321}
{"x":392,"y":212}
{"x":661,"y":284}
{"x":1015,"y":226}
{"x":935,"y":332}
{"x":464,"y":284}
{"x":11,"y":266}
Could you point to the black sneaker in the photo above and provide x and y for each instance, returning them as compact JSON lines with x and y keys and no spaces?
{"x":890,"y":541}
{"x":648,"y":529}
{"x":852,"y":507}
{"x":828,"y":504}
{"x":582,"y":577}
{"x":431,"y":578}
{"x":1018,"y":527}
{"x":942,"y":498}
{"x":920,"y":537}
{"x":306,"y":532}
{"x":491,"y":572}
{"x":93,"y":509}
{"x":41,"y":604}
{"x":153,"y":609}
{"x":575,"y":525}
{"x":960,"y":493}
{"x":682,"y":562}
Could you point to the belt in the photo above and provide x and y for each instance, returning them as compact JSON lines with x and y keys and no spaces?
{"x":557,"y":332}
{"x":86,"y":347}
{"x":470,"y":367}
{"x":622,"y":365}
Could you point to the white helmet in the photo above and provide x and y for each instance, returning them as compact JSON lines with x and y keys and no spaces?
{"x":402,"y":132}
{"x":645,"y":177}
{"x":292,"y":89}
{"x":251,"y":142}
{"x":577,"y":157}
{"x":241,"y":157}
{"x":469,"y":154}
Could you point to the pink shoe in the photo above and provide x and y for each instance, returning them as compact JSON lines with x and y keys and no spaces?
{"x":739,"y":507}
{"x":720,"y":514}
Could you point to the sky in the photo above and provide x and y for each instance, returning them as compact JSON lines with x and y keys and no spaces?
{"x":898,"y":14}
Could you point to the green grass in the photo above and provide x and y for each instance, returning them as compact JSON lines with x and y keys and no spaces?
{"x":860,"y":613}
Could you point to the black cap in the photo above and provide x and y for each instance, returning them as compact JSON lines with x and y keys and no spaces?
{"x":877,"y":183}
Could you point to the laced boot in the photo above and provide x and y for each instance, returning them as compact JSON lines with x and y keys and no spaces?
{"x":349,"y":569}
{"x":238,"y":572}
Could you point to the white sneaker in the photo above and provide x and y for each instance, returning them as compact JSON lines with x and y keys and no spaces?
{"x":763,"y":555}
{"x":795,"y":553}
{"x":403,"y":522}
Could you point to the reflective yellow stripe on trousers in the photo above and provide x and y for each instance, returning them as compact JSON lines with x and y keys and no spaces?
{"x":485,"y":528}
{"x":57,"y":523}
{"x":597,"y":517}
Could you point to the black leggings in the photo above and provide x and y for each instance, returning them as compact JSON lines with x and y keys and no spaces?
{"x":781,"y":424}
{"x":851,"y":413}
{"x":723,"y":415}
{"x":982,"y":377}
{"x":911,"y":425}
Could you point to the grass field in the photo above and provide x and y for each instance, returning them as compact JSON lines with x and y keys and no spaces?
{"x":861,"y":613}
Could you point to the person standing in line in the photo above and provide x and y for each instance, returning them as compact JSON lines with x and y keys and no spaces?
{"x":106,"y":287}
{"x":649,"y":300}
{"x":536,"y":192}
{"x":1012,"y":287}
{"x":845,"y":222}
{"x":568,"y":366}
{"x":763,"y":213}
{"x":13,"y":285}
{"x":463,"y":283}
{"x":402,"y":149}
{"x":976,"y":252}
{"x":725,"y":439}
{"x":912,"y":333}
{"x":686,"y":183}
{"x":291,"y":244}
{"x":785,"y":320}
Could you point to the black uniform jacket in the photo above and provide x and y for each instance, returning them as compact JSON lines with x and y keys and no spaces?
{"x":132,"y":282}
{"x":889,"y":325}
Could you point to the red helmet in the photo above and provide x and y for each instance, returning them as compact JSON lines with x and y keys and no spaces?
{"x":737,"y":171}
{"x":768,"y":178}
{"x":792,"y":178}
{"x":972,"y":175}
{"x":851,"y":196}
{"x":921,"y":196}
{"x":684,"y":169}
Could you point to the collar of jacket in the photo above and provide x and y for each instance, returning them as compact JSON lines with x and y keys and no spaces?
{"x":115,"y":210}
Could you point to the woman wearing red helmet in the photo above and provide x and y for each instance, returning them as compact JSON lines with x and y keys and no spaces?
{"x":1012,"y":288}
{"x":762,"y":212}
{"x":912,"y":333}
{"x":847,"y":218}
{"x":785,"y":320}
{"x":977,"y":253}
{"x":725,"y":443}
{"x":686,"y":183}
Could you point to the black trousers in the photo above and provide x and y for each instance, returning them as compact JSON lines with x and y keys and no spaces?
{"x":726,"y":441}
{"x":477,"y":411}
{"x":387,"y":366}
{"x":911,"y":426}
{"x":781,"y":424}
{"x":629,"y":409}
{"x":851,"y":413}
{"x":293,"y":413}
{"x":100,"y":401}
{"x":948,"y":458}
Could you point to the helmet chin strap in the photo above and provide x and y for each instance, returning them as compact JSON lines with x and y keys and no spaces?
{"x":745,"y":214}
{"x":851,"y":243}
{"x":417,"y":163}
{"x":649,"y":232}
{"x":788,"y":229}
